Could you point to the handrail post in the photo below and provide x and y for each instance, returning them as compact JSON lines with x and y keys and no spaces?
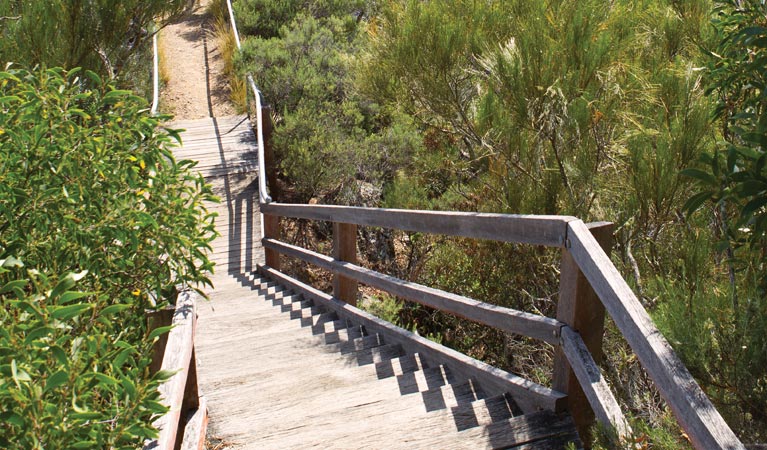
{"x":580,"y":308}
{"x":345,"y":249}
{"x":272,"y":231}
{"x":269,"y":161}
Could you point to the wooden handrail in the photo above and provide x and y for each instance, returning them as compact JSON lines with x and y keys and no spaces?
{"x":692,"y":408}
{"x":505,"y":319}
{"x":180,"y":392}
{"x":528,"y":229}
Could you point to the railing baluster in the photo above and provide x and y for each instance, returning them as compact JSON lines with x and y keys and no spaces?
{"x":345,"y":249}
{"x":271,"y":231}
{"x":580,"y":308}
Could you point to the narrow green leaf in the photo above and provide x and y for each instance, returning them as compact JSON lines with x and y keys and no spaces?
{"x":71,"y":296}
{"x":159,"y":331}
{"x":105,"y":379}
{"x":696,"y":201}
{"x":113,"y":309}
{"x":59,"y":355}
{"x":17,"y":286}
{"x":129,"y":386}
{"x":68,"y":312}
{"x":57,"y":379}
{"x":12,"y":418}
{"x":699,"y":175}
{"x":37,"y":333}
{"x":67,"y":282}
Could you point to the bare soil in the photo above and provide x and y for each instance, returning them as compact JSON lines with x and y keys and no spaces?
{"x":196,"y":87}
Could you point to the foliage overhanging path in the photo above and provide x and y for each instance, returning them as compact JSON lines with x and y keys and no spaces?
{"x":192,"y":68}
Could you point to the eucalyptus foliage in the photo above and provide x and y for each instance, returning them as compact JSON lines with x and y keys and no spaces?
{"x":328,"y":139}
{"x":100,"y":35}
{"x":98,"y":224}
{"x":264,"y":18}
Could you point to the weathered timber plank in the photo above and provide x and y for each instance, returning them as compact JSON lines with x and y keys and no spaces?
{"x":692,"y":408}
{"x":272,"y":231}
{"x":195,"y":429}
{"x":178,"y":357}
{"x":221,"y":122}
{"x":595,"y":387}
{"x":528,"y":429}
{"x":580,"y":308}
{"x":540,"y":230}
{"x":345,"y":249}
{"x":505,"y":319}
{"x":482,"y":412}
{"x":530,"y":396}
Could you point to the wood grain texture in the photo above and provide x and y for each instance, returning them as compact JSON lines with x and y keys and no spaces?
{"x":272,"y":231}
{"x":506,"y":319}
{"x":580,"y":308}
{"x":345,"y":249}
{"x":692,"y":408}
{"x":195,"y":429}
{"x":177,"y":358}
{"x":530,"y":396}
{"x":541,"y":230}
{"x":222,"y":146}
{"x":593,"y":385}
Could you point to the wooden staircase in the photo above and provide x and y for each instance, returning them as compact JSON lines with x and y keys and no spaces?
{"x":281,"y":370}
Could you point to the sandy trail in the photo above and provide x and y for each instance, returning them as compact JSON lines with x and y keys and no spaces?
{"x":196,"y":87}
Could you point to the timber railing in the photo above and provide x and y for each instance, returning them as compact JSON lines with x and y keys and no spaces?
{"x":183,"y":426}
{"x":589,"y":285}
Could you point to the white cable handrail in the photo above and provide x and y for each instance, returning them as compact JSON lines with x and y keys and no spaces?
{"x":155,"y":74}
{"x":263,"y":194}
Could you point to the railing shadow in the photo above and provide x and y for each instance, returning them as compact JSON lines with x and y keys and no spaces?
{"x":436,"y":387}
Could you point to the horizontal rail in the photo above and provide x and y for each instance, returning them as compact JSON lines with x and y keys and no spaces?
{"x":529,"y":396}
{"x":600,"y":397}
{"x":527,"y":229}
{"x":505,"y":319}
{"x":692,"y":408}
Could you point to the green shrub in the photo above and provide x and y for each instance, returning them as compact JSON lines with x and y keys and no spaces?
{"x":100,"y":35}
{"x":265,"y":18}
{"x":89,"y":192}
{"x":327,"y":138}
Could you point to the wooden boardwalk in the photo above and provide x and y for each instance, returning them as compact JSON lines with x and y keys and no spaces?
{"x":283,"y":370}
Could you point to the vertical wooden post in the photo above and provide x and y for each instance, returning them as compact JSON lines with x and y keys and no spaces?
{"x":272,"y":231}
{"x":157,"y":319}
{"x":345,"y":249}
{"x":580,"y":308}
{"x":269,"y":162}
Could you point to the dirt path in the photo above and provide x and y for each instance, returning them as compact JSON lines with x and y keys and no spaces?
{"x":196,"y":87}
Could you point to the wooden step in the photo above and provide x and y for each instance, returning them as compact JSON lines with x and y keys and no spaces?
{"x":329,"y":327}
{"x":358,"y":344}
{"x":294,"y":303}
{"x":307,"y":312}
{"x":452,"y":395}
{"x":318,"y":319}
{"x":344,"y":334}
{"x":377,"y":354}
{"x":399,"y":366}
{"x":484,"y":412}
{"x":541,"y":430}
{"x":424,"y":380}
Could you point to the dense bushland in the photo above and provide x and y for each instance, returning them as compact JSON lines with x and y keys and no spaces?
{"x":107,"y":37}
{"x":98,"y":224}
{"x":608,"y":111}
